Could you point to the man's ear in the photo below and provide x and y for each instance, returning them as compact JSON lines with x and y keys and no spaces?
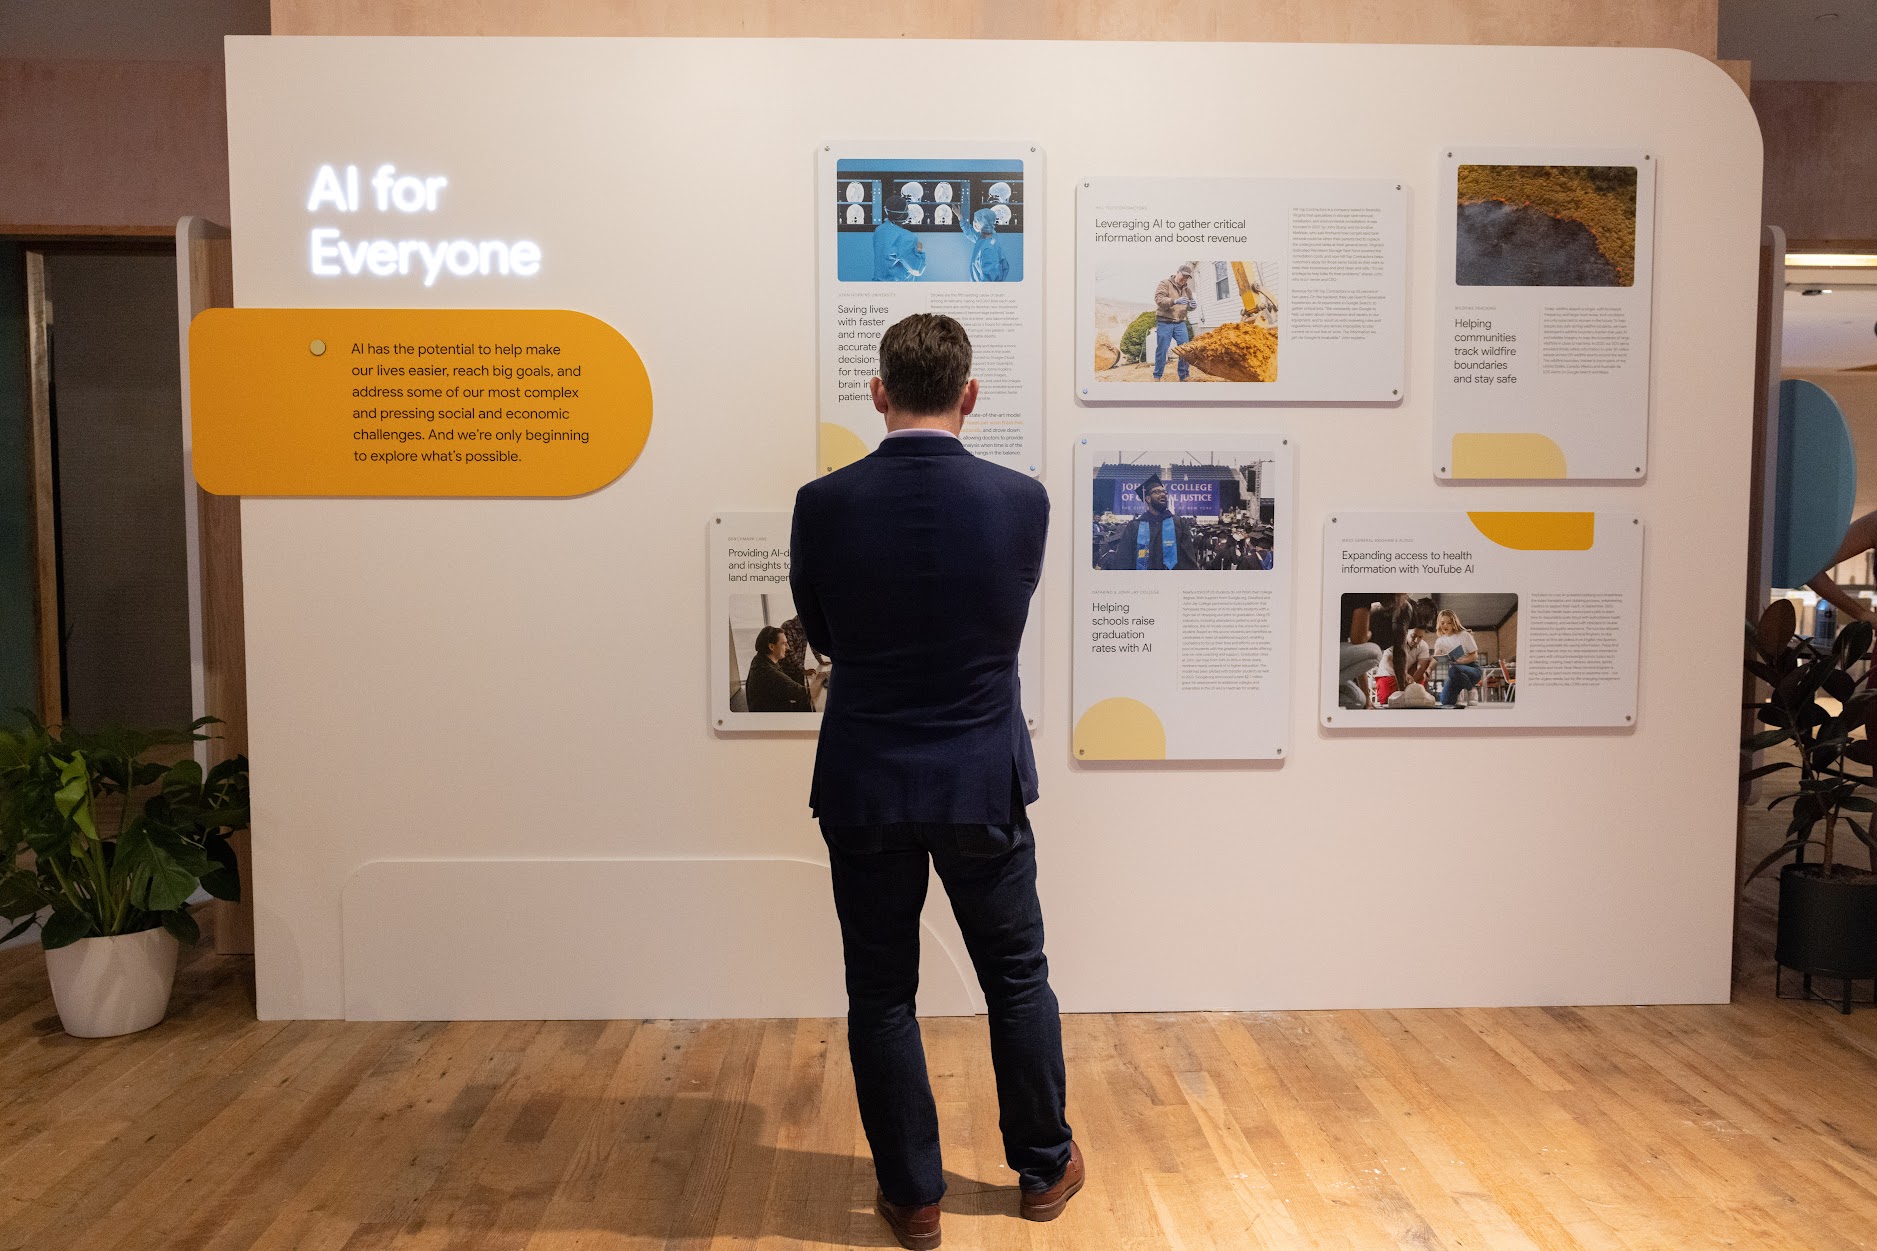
{"x":970,"y":398}
{"x":877,"y":390}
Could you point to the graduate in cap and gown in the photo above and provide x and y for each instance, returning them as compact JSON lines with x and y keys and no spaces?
{"x":1158,"y":538}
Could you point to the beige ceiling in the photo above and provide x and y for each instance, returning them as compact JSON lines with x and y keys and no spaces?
{"x":1802,"y":40}
{"x":125,"y":30}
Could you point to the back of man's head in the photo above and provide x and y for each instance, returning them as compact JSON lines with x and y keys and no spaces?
{"x":925,"y":362}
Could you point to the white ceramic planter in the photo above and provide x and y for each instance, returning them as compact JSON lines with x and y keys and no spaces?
{"x":108,"y":986}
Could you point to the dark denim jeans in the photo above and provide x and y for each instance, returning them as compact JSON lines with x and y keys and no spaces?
{"x":989,"y":872}
{"x":1167,"y":333}
{"x":1460,"y":680}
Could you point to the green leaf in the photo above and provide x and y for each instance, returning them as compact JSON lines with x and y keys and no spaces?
{"x":63,"y":928}
{"x":1852,"y":644}
{"x":1856,"y":803}
{"x":1776,"y":626}
{"x":1765,"y":739}
{"x":182,"y":925}
{"x":159,"y":871}
{"x":17,"y":930}
{"x":224,"y":882}
{"x":184,"y":778}
{"x":20,"y":895}
{"x":1763,"y":770}
{"x":73,"y":798}
{"x":1839,"y":686}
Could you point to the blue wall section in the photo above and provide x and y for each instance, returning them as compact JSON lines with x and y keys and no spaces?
{"x":1816,"y":485}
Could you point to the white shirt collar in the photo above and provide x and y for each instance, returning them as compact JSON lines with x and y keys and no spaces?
{"x":919,"y":432}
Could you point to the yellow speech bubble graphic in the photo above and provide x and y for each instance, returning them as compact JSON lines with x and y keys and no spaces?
{"x":413,"y":402}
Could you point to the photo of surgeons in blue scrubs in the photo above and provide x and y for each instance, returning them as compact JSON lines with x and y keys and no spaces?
{"x":917,"y":221}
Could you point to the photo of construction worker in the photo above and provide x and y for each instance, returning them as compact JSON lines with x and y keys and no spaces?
{"x":1185,"y":320}
{"x":923,"y":221}
{"x":1169,"y":511}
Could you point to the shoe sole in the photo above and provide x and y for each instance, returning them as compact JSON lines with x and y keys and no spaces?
{"x":1050,"y":1211}
{"x":912,"y":1242}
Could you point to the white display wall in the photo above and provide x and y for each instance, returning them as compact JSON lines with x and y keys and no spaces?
{"x":484,"y":781}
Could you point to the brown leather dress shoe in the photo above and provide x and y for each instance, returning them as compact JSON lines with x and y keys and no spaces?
{"x":1047,"y":1205}
{"x":916,"y":1228}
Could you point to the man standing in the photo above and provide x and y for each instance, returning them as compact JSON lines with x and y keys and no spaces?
{"x":913,"y":570}
{"x":898,"y":256}
{"x":1158,"y":538}
{"x":1173,"y":303}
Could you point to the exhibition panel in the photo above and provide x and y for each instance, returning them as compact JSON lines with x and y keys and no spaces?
{"x":910,"y":227}
{"x":459,"y":704}
{"x":764,"y":676}
{"x":1528,"y":619}
{"x":1182,"y":596}
{"x":1272,"y":289}
{"x":1546,"y":275}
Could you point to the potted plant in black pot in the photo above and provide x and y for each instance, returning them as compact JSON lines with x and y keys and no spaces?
{"x":1827,"y":909}
{"x":103,"y":848}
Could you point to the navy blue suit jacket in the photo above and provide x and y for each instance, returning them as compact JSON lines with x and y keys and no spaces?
{"x":912,"y":570}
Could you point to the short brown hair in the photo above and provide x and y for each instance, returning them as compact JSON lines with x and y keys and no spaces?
{"x":925,"y":362}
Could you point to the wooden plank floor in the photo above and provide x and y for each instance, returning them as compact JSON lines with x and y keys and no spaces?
{"x":1749,"y":1125}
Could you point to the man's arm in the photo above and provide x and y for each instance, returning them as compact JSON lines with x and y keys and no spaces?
{"x":1859,"y":537}
{"x":801,"y":583}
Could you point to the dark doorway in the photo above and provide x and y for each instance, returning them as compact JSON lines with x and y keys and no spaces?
{"x":107,"y":484}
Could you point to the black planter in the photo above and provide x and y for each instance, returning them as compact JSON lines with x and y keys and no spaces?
{"x":1827,"y":925}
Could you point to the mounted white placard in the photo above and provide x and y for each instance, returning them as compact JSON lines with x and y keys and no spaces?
{"x":1546,"y":273}
{"x":1182,"y":597}
{"x":924,"y":227}
{"x":1483,"y":620}
{"x":752,"y":689}
{"x":1261,"y":289}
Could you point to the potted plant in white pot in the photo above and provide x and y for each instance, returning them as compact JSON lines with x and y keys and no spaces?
{"x":1827,"y":909}
{"x":104,"y":848}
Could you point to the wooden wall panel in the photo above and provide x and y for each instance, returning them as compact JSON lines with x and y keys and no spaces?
{"x":1821,"y":159}
{"x":1686,"y":24}
{"x":126,"y":145}
{"x":205,"y":255}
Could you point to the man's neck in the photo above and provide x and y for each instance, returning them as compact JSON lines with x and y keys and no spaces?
{"x":1160,"y":512}
{"x":943,"y":423}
